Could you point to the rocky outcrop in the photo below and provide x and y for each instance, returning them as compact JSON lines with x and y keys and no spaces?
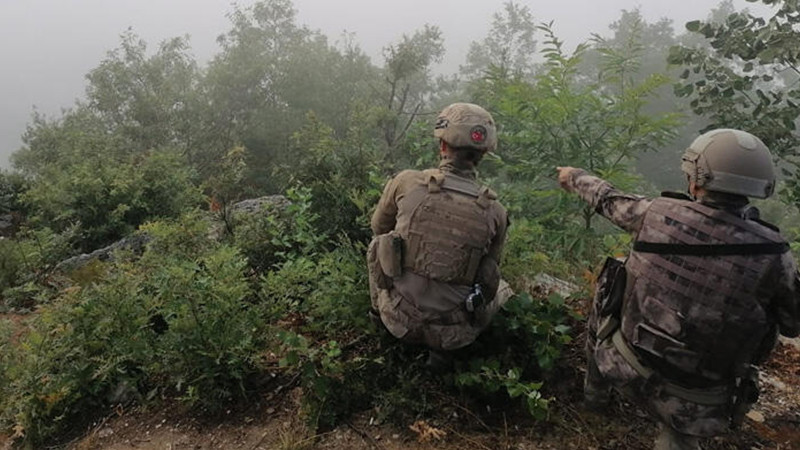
{"x":136,"y":243}
{"x":255,"y":205}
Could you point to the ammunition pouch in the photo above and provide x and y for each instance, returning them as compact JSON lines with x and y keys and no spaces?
{"x":390,"y":254}
{"x":610,"y":294}
{"x":718,"y":395}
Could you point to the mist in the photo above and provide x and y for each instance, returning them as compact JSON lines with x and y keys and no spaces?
{"x":48,"y":46}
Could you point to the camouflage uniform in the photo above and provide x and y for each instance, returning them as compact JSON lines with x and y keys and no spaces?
{"x":765,"y":303}
{"x":446,"y":249}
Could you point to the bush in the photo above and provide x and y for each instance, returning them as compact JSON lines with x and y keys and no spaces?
{"x":108,"y":198}
{"x":25,"y":260}
{"x":279,"y":235}
{"x":174,"y":322}
{"x":12,"y":185}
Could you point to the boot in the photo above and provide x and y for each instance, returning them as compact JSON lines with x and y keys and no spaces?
{"x":669,"y":439}
{"x":439,"y":361}
{"x":596,"y":390}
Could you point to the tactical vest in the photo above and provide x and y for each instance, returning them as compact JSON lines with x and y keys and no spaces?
{"x":449,"y":231}
{"x":696,"y":317}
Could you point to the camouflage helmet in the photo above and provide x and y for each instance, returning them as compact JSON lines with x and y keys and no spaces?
{"x":730,"y":161}
{"x":466,"y":125}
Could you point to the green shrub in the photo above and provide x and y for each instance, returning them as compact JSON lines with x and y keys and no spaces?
{"x":176,"y":322}
{"x":524,"y":340}
{"x":213,"y":337}
{"x":272,"y":237}
{"x":108,"y":197}
{"x":25,"y":260}
{"x":12,"y":185}
{"x":486,"y":376}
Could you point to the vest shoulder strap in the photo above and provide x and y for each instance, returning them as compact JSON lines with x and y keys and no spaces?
{"x":434,"y":178}
{"x":461,"y":185}
{"x":437,"y":181}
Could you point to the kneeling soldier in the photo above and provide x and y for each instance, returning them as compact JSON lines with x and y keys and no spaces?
{"x":434,"y":263}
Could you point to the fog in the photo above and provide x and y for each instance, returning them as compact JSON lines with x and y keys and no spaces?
{"x":47,"y":46}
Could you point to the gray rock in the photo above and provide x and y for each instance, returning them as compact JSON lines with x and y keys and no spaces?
{"x":552,"y":284}
{"x":256,"y":205}
{"x":134,"y":243}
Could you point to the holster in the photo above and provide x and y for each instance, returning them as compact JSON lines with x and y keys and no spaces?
{"x":390,"y":254}
{"x":610,"y":293}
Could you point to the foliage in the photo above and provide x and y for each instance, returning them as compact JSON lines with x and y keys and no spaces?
{"x":280,"y":233}
{"x":226,"y":185}
{"x":205,"y":316}
{"x":28,"y":258}
{"x":171,"y":322}
{"x":338,"y":172}
{"x":108,"y":197}
{"x":323,"y":373}
{"x":270,"y":73}
{"x":12,"y":185}
{"x":329,"y":291}
{"x":508,"y":47}
{"x":147,"y":100}
{"x":486,"y":375}
{"x":407,"y":74}
{"x":537,"y":324}
{"x":745,"y":77}
{"x":561,"y":120}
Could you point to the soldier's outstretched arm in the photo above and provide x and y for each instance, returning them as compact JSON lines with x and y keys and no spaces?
{"x":624,"y":210}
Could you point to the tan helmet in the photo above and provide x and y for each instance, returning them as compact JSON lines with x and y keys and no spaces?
{"x":731,"y":161}
{"x":466,"y":125}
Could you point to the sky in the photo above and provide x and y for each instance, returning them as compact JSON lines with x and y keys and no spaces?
{"x":48,"y":46}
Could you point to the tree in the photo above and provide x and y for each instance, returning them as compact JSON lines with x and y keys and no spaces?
{"x":560,"y":119}
{"x":746,"y":77}
{"x":407,"y":82}
{"x":146,"y":99}
{"x":509,"y":47}
{"x":270,"y":74}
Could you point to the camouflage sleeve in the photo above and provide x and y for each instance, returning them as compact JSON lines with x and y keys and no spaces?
{"x":489,"y":270}
{"x":499,"y":240}
{"x":624,"y":210}
{"x":785,"y":303}
{"x":385,"y":216}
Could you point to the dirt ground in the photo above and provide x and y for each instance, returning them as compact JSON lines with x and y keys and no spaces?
{"x":272,"y":422}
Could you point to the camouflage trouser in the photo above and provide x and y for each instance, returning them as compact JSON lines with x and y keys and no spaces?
{"x":679,"y":421}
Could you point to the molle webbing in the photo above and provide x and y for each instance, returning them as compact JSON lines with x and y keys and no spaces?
{"x":709,"y":307}
{"x":449,"y":232}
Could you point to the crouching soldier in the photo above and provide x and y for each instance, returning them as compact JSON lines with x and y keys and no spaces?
{"x":434,"y":262}
{"x":680,"y":326}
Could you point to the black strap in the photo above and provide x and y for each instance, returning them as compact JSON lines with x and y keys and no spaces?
{"x":766,"y":248}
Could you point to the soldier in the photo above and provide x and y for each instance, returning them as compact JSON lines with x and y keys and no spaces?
{"x":434,"y":263}
{"x":702,"y":296}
